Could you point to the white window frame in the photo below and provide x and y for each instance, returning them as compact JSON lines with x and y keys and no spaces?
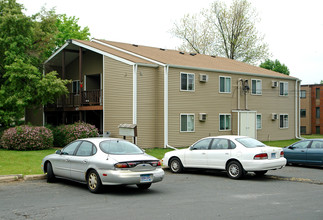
{"x":285,"y":89}
{"x":225,"y":114}
{"x":260,"y":121}
{"x":77,"y":82}
{"x":225,"y":88}
{"x":187,"y":82}
{"x":285,"y":123}
{"x":258,"y":84}
{"x":180,"y":122}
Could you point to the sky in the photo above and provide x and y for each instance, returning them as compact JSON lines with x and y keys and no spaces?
{"x":293,"y":29}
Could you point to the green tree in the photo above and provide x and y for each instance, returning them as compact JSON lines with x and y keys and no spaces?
{"x":275,"y":66}
{"x":68,"y":28}
{"x":25,"y":43}
{"x":224,"y":31}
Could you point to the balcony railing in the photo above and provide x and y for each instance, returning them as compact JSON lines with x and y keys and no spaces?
{"x":93,"y":97}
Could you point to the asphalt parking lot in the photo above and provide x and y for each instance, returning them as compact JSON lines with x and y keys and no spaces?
{"x":291,"y":193}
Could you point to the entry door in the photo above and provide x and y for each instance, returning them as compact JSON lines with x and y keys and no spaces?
{"x":247,"y":124}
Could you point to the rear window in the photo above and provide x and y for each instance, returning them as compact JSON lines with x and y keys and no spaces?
{"x":250,"y":142}
{"x":119,"y":147}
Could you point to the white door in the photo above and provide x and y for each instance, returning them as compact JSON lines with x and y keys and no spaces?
{"x":247,"y":124}
{"x":197,"y":155}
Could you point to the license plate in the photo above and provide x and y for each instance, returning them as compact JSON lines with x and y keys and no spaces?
{"x":273,"y":155}
{"x":145,"y":178}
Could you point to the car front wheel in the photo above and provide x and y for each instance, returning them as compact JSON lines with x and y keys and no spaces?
{"x":235,"y":170}
{"x":176,"y":165}
{"x":94,"y":182}
{"x":50,"y":174}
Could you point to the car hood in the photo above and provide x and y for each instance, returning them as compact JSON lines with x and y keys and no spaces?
{"x":132,"y":157}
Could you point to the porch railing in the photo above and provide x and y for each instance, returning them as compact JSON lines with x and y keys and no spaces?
{"x":93,"y":97}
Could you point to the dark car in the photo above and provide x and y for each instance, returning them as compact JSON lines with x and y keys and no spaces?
{"x":308,"y":152}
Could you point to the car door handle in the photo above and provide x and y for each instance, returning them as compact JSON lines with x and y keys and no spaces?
{"x":67,"y":160}
{"x":84,"y":161}
{"x":203,"y":153}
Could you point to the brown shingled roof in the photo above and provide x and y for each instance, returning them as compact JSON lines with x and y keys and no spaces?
{"x":114,"y":52}
{"x":177,"y":58}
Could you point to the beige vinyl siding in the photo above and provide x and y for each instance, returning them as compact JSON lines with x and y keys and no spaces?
{"x":207,"y":99}
{"x":146,"y":106}
{"x":271,"y":102}
{"x":117,"y":95}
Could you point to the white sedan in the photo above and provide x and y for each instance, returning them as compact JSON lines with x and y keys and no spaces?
{"x":235,"y":154}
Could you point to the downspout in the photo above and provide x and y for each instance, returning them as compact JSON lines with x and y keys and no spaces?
{"x":166,"y":69}
{"x":297,"y":106}
{"x":134,"y":94}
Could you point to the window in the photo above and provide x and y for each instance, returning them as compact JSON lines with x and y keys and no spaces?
{"x":202,"y":145}
{"x":303,"y":113}
{"x":259,"y":124}
{"x":283,"y":88}
{"x":76,"y":87}
{"x":303,"y":129}
{"x":256,"y":87}
{"x":187,"y":81}
{"x":301,"y":145}
{"x":317,"y":93}
{"x":225,"y":122}
{"x":119,"y":147}
{"x":225,"y":84}
{"x":222,"y":144}
{"x":317,"y":144}
{"x":187,"y":122}
{"x":283,"y":121}
{"x":303,"y":94}
{"x":317,"y":128}
{"x":85,"y":149}
{"x":317,"y":110}
{"x":69,"y":149}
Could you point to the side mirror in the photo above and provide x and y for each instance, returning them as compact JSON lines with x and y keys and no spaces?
{"x":58,"y":152}
{"x":291,"y":147}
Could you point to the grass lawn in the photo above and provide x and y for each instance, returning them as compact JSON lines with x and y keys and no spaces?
{"x":22,"y":162}
{"x":28,"y":162}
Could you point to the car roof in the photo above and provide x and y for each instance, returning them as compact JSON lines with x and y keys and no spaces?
{"x":230,"y":137}
{"x":97,"y":140}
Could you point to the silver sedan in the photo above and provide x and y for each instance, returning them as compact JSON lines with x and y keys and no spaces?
{"x":103,"y":161}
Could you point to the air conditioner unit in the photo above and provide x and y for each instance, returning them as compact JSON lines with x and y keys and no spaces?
{"x":204,"y":78}
{"x":202,"y":116}
{"x":274,"y":116}
{"x":274,"y":84}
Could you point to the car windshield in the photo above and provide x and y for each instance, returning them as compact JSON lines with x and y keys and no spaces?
{"x":250,"y":142}
{"x":119,"y":147}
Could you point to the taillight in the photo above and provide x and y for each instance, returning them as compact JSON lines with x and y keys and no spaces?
{"x":156,"y":163}
{"x":121,"y":165}
{"x":281,"y":153}
{"x":260,"y":156}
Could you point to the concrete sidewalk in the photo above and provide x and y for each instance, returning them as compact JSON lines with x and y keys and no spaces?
{"x":19,"y":177}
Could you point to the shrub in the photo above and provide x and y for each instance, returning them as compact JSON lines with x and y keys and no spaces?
{"x":65,"y":134}
{"x":27,"y":138}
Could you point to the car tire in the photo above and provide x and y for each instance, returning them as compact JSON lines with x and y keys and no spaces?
{"x":235,"y":170}
{"x":260,"y":173}
{"x":175,"y":165}
{"x":50,"y":174}
{"x":94,"y":182}
{"x":144,"y":186}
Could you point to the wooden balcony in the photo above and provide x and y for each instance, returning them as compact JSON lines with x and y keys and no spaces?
{"x":87,"y":100}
